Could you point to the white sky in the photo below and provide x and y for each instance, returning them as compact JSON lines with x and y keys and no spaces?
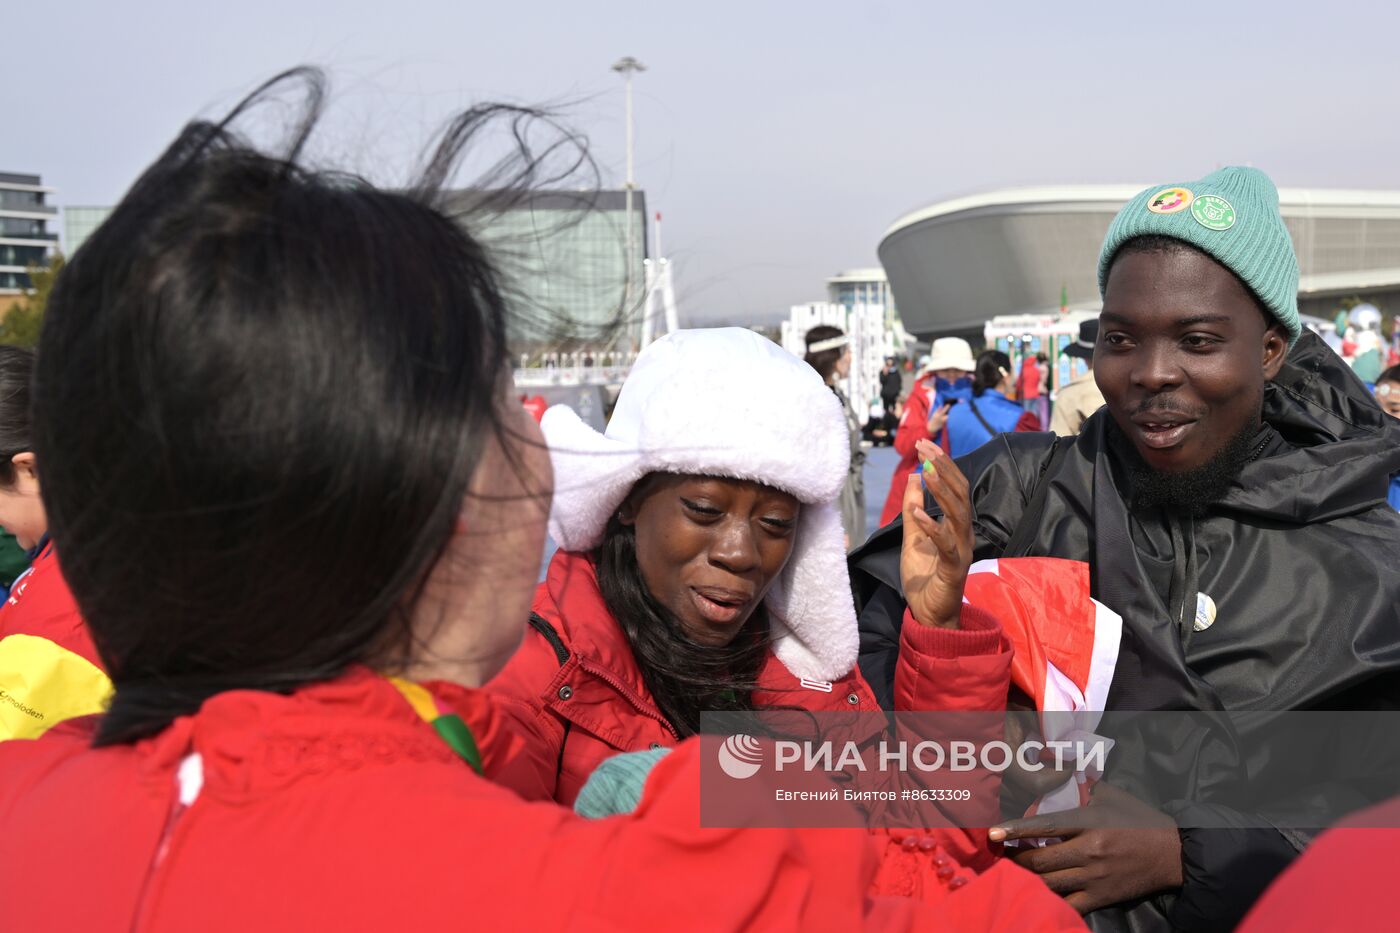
{"x":780,"y":140}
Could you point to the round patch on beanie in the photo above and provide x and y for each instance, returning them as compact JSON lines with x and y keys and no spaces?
{"x":1213,"y":213}
{"x":1170,"y":200}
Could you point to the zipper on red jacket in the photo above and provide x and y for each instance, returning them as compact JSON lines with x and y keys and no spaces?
{"x":629,"y":696}
{"x":189,"y":780}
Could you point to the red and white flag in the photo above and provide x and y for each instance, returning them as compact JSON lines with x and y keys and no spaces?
{"x":1066,"y":648}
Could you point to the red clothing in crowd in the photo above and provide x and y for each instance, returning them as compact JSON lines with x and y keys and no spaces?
{"x":49,"y":668}
{"x":338,"y":808}
{"x":1030,"y":378}
{"x":913,"y":427}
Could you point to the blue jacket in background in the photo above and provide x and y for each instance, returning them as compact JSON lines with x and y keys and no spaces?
{"x":1394,"y":497}
{"x":966,"y":433}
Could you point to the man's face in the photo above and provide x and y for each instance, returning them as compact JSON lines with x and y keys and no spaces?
{"x":1182,"y":356}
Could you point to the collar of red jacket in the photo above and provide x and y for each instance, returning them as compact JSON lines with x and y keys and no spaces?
{"x":572,"y":603}
{"x":570,"y":600}
{"x":253,"y":741}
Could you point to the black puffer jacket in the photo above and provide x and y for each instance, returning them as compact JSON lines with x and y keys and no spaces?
{"x":1301,"y":557}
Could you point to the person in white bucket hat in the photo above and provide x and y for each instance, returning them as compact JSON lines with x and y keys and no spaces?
{"x":950,"y":359}
{"x":701,"y":565}
{"x":945,"y":375}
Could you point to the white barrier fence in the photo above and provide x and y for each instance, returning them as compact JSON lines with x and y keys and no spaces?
{"x":581,"y":367}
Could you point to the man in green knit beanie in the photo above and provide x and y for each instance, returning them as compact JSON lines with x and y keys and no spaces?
{"x":1230,"y":501}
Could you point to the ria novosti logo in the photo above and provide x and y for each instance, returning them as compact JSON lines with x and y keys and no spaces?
{"x":740,"y":756}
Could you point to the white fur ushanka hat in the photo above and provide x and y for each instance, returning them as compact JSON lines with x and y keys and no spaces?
{"x":726,"y":402}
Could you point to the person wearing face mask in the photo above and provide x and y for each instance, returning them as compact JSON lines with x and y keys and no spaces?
{"x":49,"y":667}
{"x":303,"y":511}
{"x":943,"y":381}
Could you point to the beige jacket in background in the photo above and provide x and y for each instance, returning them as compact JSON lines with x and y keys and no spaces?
{"x":1076,"y":401}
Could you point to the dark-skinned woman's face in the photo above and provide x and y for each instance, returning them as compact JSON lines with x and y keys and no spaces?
{"x":709,"y":548}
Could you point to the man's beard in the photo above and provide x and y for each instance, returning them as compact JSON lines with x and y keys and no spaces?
{"x":1189,"y":492}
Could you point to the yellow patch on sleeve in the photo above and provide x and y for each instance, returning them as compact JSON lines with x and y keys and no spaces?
{"x":42,"y":684}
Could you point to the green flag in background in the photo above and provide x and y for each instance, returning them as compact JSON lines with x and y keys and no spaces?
{"x":1064,"y":300}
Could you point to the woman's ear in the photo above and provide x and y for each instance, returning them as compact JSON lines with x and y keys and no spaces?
{"x":26,"y":468}
{"x":627,"y":512}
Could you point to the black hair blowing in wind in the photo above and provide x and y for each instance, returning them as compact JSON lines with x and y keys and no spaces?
{"x":261,"y":394}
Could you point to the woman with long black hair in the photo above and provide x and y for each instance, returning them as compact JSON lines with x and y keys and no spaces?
{"x":302,"y":513}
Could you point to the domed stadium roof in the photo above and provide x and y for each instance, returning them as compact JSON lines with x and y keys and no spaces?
{"x":956,"y":264}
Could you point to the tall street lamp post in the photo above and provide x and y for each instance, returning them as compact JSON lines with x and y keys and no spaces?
{"x":627,"y":67}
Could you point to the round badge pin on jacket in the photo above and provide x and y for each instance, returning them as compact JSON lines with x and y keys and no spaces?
{"x":1205,"y":612}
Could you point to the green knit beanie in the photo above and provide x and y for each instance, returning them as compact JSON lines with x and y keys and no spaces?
{"x":1231,"y":214}
{"x":615,"y":786}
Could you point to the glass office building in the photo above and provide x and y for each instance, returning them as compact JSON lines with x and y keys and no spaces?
{"x":564,"y":257}
{"x":79,"y":224}
{"x":25,"y":239}
{"x":863,"y":287}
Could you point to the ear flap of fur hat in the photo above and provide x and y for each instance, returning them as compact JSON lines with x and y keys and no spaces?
{"x":811,"y":611}
{"x":592,"y":474}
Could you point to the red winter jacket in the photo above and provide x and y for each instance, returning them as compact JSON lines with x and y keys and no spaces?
{"x":1030,"y":378}
{"x":587,"y":701}
{"x":49,"y":668}
{"x":582,"y":699}
{"x":338,"y":808}
{"x":913,"y":427}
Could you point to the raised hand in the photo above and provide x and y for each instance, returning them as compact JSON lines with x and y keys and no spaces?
{"x":937,"y":419}
{"x":936,"y":554}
